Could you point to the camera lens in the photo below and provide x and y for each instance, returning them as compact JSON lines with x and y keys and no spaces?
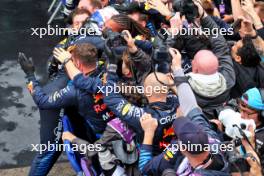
{"x":243,"y":126}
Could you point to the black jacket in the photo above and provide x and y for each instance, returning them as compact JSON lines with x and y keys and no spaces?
{"x":246,"y":78}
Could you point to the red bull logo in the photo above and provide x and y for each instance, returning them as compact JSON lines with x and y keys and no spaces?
{"x":168,"y":133}
{"x":98,"y":97}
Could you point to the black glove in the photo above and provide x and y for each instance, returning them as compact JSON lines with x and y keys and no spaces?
{"x":26,"y":64}
{"x":113,"y":59}
{"x":53,"y":67}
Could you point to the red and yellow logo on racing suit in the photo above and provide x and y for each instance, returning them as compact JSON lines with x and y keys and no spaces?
{"x":167,"y":136}
{"x":30,"y":87}
{"x":100,"y":107}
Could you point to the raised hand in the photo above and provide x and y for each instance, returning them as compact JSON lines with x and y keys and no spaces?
{"x":176,"y":59}
{"x":62,"y":55}
{"x":130,"y":41}
{"x":26,"y":64}
{"x":148,"y":123}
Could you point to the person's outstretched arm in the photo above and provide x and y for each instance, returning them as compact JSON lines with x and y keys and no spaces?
{"x":89,"y":84}
{"x":188,"y":104}
{"x":118,"y":104}
{"x":236,"y":9}
{"x":58,"y":99}
{"x":115,"y":101}
{"x":248,"y":8}
{"x":139,"y":58}
{"x":64,"y":57}
{"x":221,"y":50}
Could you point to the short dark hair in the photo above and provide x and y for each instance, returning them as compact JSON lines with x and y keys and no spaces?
{"x":127,"y":23}
{"x":86,"y":53}
{"x":76,"y":12}
{"x":248,"y":53}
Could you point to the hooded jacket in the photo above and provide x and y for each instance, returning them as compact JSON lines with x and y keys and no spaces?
{"x":220,"y":48}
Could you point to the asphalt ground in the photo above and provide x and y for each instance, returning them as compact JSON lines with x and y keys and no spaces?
{"x":19,"y":117}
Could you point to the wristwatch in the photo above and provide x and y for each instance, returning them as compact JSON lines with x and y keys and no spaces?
{"x":66,"y":61}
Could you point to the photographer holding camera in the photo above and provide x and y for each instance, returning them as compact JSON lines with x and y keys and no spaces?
{"x":190,"y":127}
{"x":134,"y":62}
{"x":252,"y":157}
{"x":143,"y":52}
{"x":252,"y":107}
{"x":243,"y":125}
{"x":212,"y":75}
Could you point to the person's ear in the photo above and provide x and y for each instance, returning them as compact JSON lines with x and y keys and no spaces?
{"x":79,"y":65}
{"x":144,"y":23}
{"x":238,"y":59}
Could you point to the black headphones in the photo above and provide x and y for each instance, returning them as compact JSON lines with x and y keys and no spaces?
{"x":261,"y":91}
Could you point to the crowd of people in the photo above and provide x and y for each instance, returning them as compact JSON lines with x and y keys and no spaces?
{"x":160,"y":87}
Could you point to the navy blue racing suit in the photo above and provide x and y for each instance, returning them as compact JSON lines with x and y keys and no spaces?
{"x":165,"y":112}
{"x":172,"y":158}
{"x":50,"y":123}
{"x":50,"y":131}
{"x":90,"y":106}
{"x":175,"y":160}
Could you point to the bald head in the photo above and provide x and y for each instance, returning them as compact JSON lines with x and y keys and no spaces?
{"x":154,"y":90}
{"x":205,"y":62}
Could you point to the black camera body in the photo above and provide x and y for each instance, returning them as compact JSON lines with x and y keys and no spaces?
{"x":187,"y":8}
{"x":115,"y":39}
{"x":114,"y":47}
{"x":161,"y":55}
{"x":234,"y":156}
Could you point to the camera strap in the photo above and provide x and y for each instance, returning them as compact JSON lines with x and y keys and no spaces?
{"x":164,"y":84}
